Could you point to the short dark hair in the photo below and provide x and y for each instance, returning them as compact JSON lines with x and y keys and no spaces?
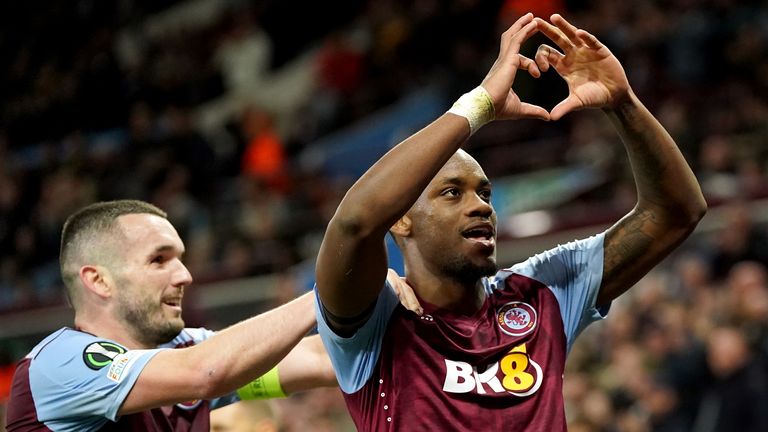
{"x":93,"y":220}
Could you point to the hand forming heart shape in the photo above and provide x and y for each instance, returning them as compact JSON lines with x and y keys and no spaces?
{"x":594,"y":75}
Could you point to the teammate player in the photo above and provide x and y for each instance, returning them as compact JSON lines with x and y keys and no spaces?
{"x":489,"y":352}
{"x":122,"y":264}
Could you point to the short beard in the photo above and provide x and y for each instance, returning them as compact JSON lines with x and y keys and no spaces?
{"x":465,"y":272}
{"x":143,"y":328}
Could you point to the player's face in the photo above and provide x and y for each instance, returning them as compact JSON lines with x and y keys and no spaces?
{"x":453,"y":221}
{"x":150,"y":283}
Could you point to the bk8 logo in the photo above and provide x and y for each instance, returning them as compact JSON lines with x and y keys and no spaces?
{"x":516,"y":374}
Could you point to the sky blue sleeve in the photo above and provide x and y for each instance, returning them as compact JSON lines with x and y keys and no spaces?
{"x":573,"y":272}
{"x":65,"y":389}
{"x":354,"y":358}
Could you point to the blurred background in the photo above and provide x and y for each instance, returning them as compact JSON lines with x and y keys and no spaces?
{"x":248,"y":120}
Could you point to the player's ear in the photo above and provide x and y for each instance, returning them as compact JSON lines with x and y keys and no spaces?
{"x":402,"y":228}
{"x":96,"y":279}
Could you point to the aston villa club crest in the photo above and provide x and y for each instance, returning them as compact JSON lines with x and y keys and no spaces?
{"x":516,"y":318}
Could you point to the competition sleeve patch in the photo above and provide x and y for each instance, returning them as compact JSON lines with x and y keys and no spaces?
{"x":123,"y":363}
{"x":100,"y":354}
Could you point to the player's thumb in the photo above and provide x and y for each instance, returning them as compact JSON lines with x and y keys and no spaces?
{"x":567,"y":105}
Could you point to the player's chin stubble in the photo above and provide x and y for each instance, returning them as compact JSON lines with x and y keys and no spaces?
{"x":148,"y":328}
{"x":460,"y":268}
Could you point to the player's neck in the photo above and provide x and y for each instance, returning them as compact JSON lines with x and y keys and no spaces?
{"x":455,"y":296}
{"x":107,"y":330}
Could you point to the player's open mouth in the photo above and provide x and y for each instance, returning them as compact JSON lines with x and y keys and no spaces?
{"x":173,"y":303}
{"x":481,"y":233}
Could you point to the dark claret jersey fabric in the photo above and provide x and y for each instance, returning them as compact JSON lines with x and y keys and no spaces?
{"x":500,"y":369}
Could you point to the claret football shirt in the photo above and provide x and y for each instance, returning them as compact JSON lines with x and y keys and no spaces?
{"x":500,"y":369}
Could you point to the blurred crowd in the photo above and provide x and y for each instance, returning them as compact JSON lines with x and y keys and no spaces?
{"x":206,"y":107}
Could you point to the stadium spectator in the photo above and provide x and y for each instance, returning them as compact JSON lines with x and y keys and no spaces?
{"x":735,"y":395}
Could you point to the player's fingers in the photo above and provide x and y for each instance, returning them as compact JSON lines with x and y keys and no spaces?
{"x":547,"y":56}
{"x":530,"y":66}
{"x":533,"y":111}
{"x":522,"y":35}
{"x":409,"y":299}
{"x":520,"y":23}
{"x":588,"y":39}
{"x":571,"y":103}
{"x":513,"y":29}
{"x":404,"y":292}
{"x":394,"y":280}
{"x":513,"y":49}
{"x":554,"y":34}
{"x":568,"y":29}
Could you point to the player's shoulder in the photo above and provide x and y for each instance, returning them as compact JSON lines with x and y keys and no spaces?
{"x":573,"y":253}
{"x":514,"y":275}
{"x":498,"y":281}
{"x":60,"y":342}
{"x":501,"y":275}
{"x":61,"y":346}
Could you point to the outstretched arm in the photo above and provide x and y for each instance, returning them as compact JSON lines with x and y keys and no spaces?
{"x":352,"y":264}
{"x":238,"y":354}
{"x":308,"y":365}
{"x":670,"y":202}
{"x":223,"y":363}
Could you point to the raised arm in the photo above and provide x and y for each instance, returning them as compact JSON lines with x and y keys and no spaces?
{"x":352,"y":263}
{"x":670,"y":202}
